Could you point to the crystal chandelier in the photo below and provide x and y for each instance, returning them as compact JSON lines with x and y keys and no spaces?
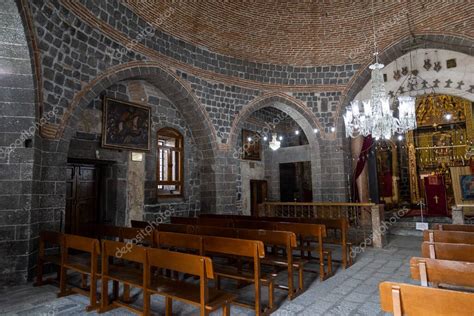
{"x":376,"y":117}
{"x":274,"y":144}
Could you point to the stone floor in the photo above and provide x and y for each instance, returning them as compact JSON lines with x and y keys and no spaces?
{"x":349,"y":292}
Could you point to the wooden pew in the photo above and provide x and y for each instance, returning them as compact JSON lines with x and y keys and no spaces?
{"x":305,"y":232}
{"x":250,"y":249}
{"x":48,"y":238}
{"x":437,"y":271}
{"x":454,"y":227}
{"x":236,"y":248}
{"x":222,"y":222}
{"x":208,"y":299}
{"x":455,"y":237}
{"x":311,"y":232}
{"x":86,"y":265}
{"x":184,"y":220}
{"x":286,"y":241}
{"x":138,"y":224}
{"x":176,"y":228}
{"x":340,"y":225}
{"x":448,"y":251}
{"x":139,"y":236}
{"x":406,"y":299}
{"x":129,"y":275}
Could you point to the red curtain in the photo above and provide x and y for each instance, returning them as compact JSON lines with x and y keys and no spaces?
{"x":363,"y":156}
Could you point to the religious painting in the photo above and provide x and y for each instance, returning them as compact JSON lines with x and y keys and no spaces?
{"x":250,"y":145}
{"x":125,"y":125}
{"x":467,"y":187}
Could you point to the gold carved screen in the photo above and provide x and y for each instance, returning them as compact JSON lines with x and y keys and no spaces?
{"x":444,"y":134}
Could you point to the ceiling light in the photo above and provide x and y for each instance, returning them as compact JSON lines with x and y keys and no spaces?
{"x":448,"y":116}
{"x":400,"y":137}
{"x":265,"y":138}
{"x":297,"y":132}
{"x":333,"y":129}
{"x":274,"y":144}
{"x":249,"y":139}
{"x":280,"y":138}
{"x":315,"y":130}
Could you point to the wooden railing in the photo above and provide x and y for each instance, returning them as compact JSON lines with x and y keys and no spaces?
{"x":358,"y":214}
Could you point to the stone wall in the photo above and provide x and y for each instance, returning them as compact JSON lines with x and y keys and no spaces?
{"x":81,"y":49}
{"x":18,"y":152}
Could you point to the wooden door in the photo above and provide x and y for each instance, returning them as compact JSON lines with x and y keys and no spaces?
{"x":258,"y":195}
{"x":82,"y":197}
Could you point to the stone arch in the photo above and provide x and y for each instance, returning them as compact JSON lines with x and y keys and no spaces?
{"x":398,"y":49}
{"x":179,"y":93}
{"x":301,"y":114}
{"x":295,"y":108}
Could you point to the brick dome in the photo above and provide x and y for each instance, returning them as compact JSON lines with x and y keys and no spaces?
{"x":303,"y":32}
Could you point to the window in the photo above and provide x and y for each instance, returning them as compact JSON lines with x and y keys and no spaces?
{"x":169,"y":173}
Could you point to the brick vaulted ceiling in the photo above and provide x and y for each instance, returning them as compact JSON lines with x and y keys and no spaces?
{"x":304,"y":32}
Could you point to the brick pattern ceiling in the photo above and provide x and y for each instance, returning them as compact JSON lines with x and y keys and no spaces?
{"x":303,"y":32}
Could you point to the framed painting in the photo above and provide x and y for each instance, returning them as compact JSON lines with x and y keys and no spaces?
{"x":250,"y":145}
{"x":125,"y":125}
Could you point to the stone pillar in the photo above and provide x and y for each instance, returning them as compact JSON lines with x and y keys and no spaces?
{"x":379,"y":230}
{"x":457,"y":215}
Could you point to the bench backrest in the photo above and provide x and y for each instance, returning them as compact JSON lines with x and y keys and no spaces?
{"x":454,"y":227}
{"x":254,"y":224}
{"x":142,"y":236}
{"x":81,"y":243}
{"x":215,"y":231}
{"x":442,"y":271}
{"x":269,"y":237}
{"x":304,"y":230}
{"x":233,"y":246}
{"x":175,"y":228}
{"x":184,"y":220}
{"x":138,"y":224}
{"x":123,"y":250}
{"x":460,"y":237}
{"x":448,"y":251}
{"x":406,"y":299}
{"x":181,"y":262}
{"x":178,"y":240}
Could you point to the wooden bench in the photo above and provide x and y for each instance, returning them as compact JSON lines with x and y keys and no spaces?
{"x":250,"y":249}
{"x":138,"y":224}
{"x":448,"y":251}
{"x":456,"y":237}
{"x":208,"y":299}
{"x":454,"y":227}
{"x":53,"y":240}
{"x":176,"y":228}
{"x":115,"y":268}
{"x":287,"y":242}
{"x":437,"y":271}
{"x":306,"y":233}
{"x":234,"y":248}
{"x":86,"y":264}
{"x":340,"y":225}
{"x":406,"y":299}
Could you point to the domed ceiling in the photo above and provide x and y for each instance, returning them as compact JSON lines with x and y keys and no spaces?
{"x":303,"y":32}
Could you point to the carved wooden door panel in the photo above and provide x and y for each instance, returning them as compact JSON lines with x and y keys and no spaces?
{"x":81,"y":198}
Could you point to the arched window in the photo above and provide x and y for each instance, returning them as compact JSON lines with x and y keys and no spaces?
{"x":169,"y":171}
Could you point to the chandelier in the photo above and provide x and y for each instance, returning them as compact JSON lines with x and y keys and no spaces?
{"x":375,"y":117}
{"x":274,"y":144}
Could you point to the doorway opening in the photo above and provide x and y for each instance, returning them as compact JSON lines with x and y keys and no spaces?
{"x":295,"y":182}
